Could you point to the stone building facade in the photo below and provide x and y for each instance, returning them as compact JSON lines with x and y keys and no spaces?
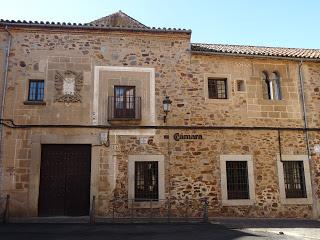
{"x":83,"y":117}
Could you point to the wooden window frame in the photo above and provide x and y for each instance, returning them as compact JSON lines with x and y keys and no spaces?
{"x":37,"y":82}
{"x":124,"y":112}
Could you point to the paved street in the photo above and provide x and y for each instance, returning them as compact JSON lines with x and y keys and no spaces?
{"x":305,"y":229}
{"x":131,"y":232}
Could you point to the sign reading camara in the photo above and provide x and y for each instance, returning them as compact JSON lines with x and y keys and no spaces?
{"x":180,"y":136}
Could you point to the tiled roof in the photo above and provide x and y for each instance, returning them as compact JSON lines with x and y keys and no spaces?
{"x":115,"y":21}
{"x":300,"y":53}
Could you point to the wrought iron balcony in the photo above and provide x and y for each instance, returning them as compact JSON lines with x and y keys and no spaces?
{"x":124,"y":108}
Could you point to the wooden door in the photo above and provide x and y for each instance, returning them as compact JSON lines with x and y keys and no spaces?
{"x":65,"y":180}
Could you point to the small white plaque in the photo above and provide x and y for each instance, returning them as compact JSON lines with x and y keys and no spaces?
{"x":69,"y":86}
{"x":317,"y":148}
{"x":103,"y":137}
{"x":143,"y":140}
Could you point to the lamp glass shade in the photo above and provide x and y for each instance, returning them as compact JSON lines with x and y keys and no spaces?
{"x":166,"y":104}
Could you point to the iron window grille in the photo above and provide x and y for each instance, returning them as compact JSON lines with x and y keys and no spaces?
{"x":294,"y":179}
{"x":217,"y":88}
{"x":146,"y":181}
{"x":36,"y":90}
{"x":237,"y":180}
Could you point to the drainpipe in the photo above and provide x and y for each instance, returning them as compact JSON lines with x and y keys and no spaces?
{"x":5,"y":73}
{"x":312,"y":166}
{"x":4,"y":89}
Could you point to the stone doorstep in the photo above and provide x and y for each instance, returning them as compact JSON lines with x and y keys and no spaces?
{"x":62,"y":219}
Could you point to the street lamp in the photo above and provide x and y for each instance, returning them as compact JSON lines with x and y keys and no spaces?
{"x":166,"y":107}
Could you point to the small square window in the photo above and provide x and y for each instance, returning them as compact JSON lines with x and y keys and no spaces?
{"x":217,"y":88}
{"x":241,"y":86}
{"x":36,"y":90}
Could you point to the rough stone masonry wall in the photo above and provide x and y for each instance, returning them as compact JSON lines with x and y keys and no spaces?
{"x":37,"y":55}
{"x":247,"y":108}
{"x":193,"y":169}
{"x":311,"y":76}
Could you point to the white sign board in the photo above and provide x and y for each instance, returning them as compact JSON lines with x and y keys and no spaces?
{"x":317,"y":148}
{"x":143,"y":140}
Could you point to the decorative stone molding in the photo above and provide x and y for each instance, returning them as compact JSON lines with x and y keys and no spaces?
{"x":68,"y":85}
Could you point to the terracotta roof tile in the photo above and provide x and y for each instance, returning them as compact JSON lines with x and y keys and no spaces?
{"x":256,"y":50}
{"x":88,"y":26}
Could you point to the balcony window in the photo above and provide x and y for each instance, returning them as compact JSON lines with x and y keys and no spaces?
{"x":124,"y":104}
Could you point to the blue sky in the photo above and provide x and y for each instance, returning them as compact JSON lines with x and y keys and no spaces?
{"x":285,"y":23}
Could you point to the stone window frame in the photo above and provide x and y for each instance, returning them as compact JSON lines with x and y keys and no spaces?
{"x":131,"y":178}
{"x":95,"y":102}
{"x":251,"y":180}
{"x":307,"y":178}
{"x":208,"y":76}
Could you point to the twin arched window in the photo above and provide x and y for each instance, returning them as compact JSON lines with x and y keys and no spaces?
{"x":271,"y":86}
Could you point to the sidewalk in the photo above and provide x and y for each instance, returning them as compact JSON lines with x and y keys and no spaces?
{"x":308,"y":229}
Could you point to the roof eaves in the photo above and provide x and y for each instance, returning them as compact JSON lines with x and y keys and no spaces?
{"x":256,"y":55}
{"x":221,"y":49}
{"x":87,"y":26}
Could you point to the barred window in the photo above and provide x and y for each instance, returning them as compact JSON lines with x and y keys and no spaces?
{"x":146,"y":180}
{"x":36,"y":90}
{"x":237,"y":180}
{"x":217,"y":88}
{"x":294,"y":179}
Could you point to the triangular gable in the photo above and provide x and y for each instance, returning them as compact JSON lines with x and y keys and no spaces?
{"x":119,"y":19}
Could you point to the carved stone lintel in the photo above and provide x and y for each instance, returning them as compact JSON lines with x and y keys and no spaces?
{"x":68,"y":85}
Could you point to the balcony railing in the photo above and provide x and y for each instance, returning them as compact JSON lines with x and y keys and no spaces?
{"x":120,"y":108}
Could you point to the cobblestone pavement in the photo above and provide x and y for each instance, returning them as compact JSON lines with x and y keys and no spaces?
{"x":131,"y":232}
